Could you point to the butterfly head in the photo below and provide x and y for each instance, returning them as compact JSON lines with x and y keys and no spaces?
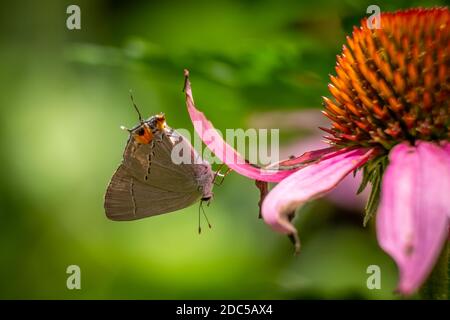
{"x":145,"y":131}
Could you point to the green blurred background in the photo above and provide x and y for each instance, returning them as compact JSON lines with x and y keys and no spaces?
{"x":64,"y":95}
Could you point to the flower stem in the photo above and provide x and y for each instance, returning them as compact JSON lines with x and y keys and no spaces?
{"x":436,"y":286}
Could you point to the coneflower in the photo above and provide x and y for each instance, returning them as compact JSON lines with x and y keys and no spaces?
{"x":390,"y":118}
{"x":391,"y":84}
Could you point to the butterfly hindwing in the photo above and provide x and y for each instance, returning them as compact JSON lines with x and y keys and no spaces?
{"x":128,"y":198}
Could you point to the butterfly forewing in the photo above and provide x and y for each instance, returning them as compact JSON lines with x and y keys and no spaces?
{"x":148,"y":182}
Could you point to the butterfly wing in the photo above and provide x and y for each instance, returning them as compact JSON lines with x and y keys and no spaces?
{"x":152,"y":163}
{"x":127,"y":198}
{"x":148,"y":182}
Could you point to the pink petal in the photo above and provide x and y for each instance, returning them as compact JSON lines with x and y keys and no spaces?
{"x":223,"y":150}
{"x":412,"y":220}
{"x":307,"y":184}
{"x":345,"y":194}
{"x":446,"y":146}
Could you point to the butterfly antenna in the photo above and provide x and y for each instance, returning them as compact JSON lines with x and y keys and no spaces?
{"x":125,"y":129}
{"x":135,"y":106}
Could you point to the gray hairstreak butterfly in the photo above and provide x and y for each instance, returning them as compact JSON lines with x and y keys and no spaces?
{"x":148,"y":182}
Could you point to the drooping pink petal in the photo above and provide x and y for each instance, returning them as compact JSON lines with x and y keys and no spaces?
{"x":307,"y":184}
{"x":412,"y":219}
{"x":222,"y":149}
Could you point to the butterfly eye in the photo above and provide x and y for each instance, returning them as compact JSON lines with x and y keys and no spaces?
{"x":141,"y":132}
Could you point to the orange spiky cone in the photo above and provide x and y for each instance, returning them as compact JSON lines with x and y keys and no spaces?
{"x":392,"y":83}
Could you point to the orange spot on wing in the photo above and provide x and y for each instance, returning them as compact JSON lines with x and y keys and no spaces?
{"x":146,"y":138}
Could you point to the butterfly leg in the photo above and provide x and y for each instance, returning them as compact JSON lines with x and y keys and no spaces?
{"x":201,"y":210}
{"x":222,"y":175}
